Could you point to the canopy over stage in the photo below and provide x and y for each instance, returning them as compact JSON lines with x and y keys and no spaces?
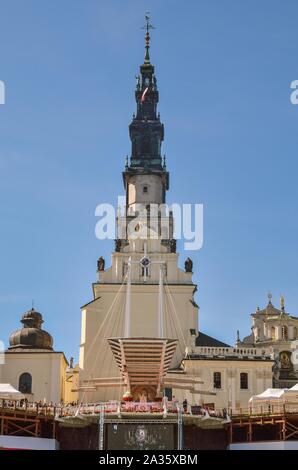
{"x":144,"y":363}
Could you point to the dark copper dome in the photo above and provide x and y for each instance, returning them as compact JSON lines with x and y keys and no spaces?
{"x":31,"y":336}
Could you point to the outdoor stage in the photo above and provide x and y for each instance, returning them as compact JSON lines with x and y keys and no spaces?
{"x":129,"y":425}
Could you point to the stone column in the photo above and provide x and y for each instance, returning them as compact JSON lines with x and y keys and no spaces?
{"x":265,"y":331}
{"x":291,"y":332}
{"x":231,"y":375}
{"x":278,"y":332}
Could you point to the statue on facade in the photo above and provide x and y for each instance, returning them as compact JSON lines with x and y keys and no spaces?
{"x":188,"y":265}
{"x":154,"y":82}
{"x":285,"y":360}
{"x":71,"y":363}
{"x":101,"y":264}
{"x":173,"y":244}
{"x":117,"y":245}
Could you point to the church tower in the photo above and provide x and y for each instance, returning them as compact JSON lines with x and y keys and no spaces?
{"x":143,"y":293}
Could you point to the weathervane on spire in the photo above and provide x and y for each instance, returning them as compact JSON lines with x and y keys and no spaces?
{"x":147,"y":27}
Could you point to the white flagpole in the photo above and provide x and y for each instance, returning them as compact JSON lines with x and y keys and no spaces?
{"x":160,"y":303}
{"x":128,"y":301}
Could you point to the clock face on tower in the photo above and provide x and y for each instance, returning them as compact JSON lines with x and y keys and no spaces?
{"x":145,"y":262}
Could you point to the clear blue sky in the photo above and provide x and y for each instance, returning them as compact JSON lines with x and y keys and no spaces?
{"x":224,"y":70}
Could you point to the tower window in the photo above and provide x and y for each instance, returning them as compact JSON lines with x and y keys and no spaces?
{"x":145,"y":271}
{"x":217,"y":380}
{"x":145,"y":189}
{"x":25,"y":383}
{"x":243,"y":381}
{"x":168,"y":393}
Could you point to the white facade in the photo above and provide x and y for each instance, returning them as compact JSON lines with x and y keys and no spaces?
{"x":220,"y":370}
{"x":46,"y":368}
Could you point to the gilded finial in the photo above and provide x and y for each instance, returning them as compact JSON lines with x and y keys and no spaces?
{"x":147,"y":27}
{"x":282,"y":303}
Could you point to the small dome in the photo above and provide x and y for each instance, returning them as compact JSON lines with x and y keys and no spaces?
{"x":31,"y":336}
{"x":32,"y":318}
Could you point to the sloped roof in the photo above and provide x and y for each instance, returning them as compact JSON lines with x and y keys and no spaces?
{"x":268,"y":310}
{"x":205,"y":340}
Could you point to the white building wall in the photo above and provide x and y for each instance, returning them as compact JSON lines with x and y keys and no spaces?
{"x":46,"y":368}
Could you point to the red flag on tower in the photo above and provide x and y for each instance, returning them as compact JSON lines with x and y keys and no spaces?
{"x":144,"y":95}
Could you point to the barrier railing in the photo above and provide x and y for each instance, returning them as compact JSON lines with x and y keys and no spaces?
{"x":116,"y":407}
{"x":111,"y":407}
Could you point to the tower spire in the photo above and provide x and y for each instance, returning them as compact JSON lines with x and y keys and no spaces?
{"x":147,"y":27}
{"x":146,"y":130}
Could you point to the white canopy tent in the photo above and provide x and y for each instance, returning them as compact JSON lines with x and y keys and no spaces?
{"x":291,"y":395}
{"x":8,"y":392}
{"x":271,"y":396}
{"x":295,"y":388}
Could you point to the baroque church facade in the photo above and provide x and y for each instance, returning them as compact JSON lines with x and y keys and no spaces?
{"x":144,"y":278}
{"x":144,"y":294}
{"x":278,"y":330}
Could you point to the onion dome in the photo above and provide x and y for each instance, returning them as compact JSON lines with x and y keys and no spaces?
{"x":31,"y":336}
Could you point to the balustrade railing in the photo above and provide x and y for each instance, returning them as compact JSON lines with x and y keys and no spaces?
{"x":230,"y":351}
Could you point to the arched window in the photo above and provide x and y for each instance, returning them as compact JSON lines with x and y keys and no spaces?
{"x":273,"y":332}
{"x":217,"y":380}
{"x":295,"y":332}
{"x":25,"y":383}
{"x":243,"y":381}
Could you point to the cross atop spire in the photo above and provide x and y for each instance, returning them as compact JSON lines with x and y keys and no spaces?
{"x":147,"y":27}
